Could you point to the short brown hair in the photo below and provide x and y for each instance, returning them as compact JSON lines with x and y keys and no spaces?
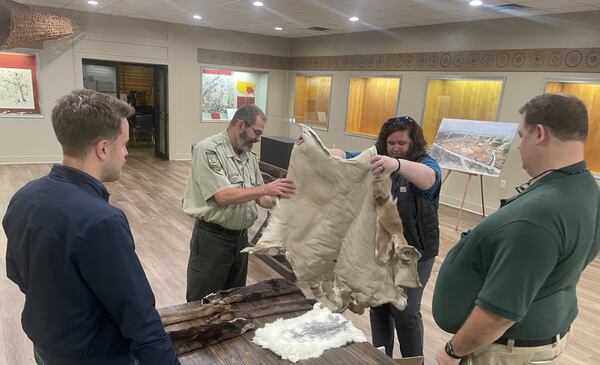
{"x":564,"y":114}
{"x":248,"y":113}
{"x":84,"y":117}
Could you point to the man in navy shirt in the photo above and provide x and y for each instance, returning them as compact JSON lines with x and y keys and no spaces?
{"x":87,"y":299}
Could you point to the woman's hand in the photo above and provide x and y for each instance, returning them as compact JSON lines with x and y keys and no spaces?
{"x":380,"y":164}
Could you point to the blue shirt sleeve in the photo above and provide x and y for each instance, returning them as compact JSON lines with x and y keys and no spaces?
{"x":112,"y":270}
{"x":434,"y":191}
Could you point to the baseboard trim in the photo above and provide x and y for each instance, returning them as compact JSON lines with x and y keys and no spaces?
{"x":30,"y":159}
{"x":470,"y":207}
{"x":182,"y":157}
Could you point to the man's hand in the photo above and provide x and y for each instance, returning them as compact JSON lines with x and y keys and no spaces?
{"x":443,"y":359}
{"x":380,"y":164}
{"x":282,"y":188}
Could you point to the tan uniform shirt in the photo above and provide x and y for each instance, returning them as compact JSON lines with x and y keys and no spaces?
{"x":216,"y":167}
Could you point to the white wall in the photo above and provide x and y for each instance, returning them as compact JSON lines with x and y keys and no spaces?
{"x":30,"y":140}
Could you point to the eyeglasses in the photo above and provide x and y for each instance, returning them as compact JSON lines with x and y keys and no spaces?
{"x":397,"y":121}
{"x":257,"y":132}
{"x":521,"y":188}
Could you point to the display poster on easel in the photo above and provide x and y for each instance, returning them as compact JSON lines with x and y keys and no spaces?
{"x":473,"y":146}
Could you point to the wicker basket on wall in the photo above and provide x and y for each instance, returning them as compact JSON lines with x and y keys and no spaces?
{"x":20,"y":26}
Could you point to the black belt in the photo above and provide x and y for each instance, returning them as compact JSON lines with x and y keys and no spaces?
{"x":533,"y":343}
{"x":218,"y":229}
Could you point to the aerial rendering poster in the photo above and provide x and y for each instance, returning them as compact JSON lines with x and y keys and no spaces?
{"x":473,"y":146}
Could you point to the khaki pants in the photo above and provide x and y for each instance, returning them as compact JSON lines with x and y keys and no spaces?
{"x":496,"y":354}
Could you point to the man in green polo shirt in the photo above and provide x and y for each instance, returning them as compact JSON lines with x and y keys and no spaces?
{"x":223,"y":189}
{"x":507,"y":289}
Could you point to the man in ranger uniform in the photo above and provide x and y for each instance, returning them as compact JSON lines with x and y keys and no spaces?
{"x":224,"y":187}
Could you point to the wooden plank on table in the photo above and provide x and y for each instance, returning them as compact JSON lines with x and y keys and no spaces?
{"x":241,"y":350}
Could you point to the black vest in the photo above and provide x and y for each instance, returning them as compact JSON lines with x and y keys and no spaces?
{"x":419,"y":216}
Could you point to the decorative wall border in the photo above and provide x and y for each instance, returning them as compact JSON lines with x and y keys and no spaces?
{"x":512,"y":60}
{"x":216,"y":57}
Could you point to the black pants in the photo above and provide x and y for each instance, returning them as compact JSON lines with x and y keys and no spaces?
{"x":408,"y":323}
{"x":215,"y":262}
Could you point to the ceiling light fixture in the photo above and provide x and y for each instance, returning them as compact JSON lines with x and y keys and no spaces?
{"x":353,"y":19}
{"x":258,"y":3}
{"x":91,"y":2}
{"x":476,"y":3}
{"x":197,"y":17}
{"x":278,"y":28}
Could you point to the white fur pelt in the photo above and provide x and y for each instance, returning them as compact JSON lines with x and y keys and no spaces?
{"x":308,"y":335}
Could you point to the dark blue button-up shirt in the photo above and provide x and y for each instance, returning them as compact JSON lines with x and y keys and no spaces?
{"x":87,"y":299}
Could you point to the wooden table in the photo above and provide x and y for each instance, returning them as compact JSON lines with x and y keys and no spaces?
{"x":241,"y":350}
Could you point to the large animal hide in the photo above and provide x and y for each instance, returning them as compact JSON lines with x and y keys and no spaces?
{"x":341,"y":231}
{"x":308,"y":335}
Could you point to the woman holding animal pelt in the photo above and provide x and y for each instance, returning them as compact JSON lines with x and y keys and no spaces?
{"x":416,"y":183}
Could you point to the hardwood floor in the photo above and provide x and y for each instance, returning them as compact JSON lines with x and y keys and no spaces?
{"x":150,"y":193}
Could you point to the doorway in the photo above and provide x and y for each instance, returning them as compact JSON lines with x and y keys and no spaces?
{"x":143,"y":86}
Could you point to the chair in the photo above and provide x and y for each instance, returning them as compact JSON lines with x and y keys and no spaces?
{"x":143,"y":124}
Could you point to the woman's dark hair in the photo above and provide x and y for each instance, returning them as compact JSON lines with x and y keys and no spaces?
{"x":417,"y":146}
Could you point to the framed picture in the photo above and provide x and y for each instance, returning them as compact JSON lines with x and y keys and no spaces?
{"x":19,"y":88}
{"x":224,"y":91}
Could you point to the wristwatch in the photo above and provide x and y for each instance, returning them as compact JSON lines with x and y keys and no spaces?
{"x":450,"y":351}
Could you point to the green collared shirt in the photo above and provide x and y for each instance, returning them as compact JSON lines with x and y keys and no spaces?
{"x":216,"y":167}
{"x":523,"y":262}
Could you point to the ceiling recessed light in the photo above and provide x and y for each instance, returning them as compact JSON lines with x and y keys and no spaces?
{"x":476,"y":3}
{"x":91,"y":2}
{"x":278,"y":28}
{"x":258,"y":3}
{"x":353,"y":19}
{"x":197,"y":17}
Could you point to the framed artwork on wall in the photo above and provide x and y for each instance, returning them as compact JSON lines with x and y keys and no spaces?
{"x":19,"y":85}
{"x":224,"y":91}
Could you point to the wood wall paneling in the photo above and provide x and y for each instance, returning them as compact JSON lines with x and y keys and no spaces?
{"x":371,"y":102}
{"x":589,"y":93}
{"x":459,"y":99}
{"x":311,"y":100}
{"x":138,"y":78}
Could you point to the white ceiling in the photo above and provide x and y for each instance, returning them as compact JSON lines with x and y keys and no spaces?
{"x":295,"y":16}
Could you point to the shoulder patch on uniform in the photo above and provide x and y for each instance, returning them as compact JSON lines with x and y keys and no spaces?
{"x":213,"y":161}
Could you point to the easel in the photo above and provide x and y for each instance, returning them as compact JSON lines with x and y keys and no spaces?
{"x":462,"y":203}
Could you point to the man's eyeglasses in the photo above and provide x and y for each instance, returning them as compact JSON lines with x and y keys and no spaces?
{"x":257,"y":132}
{"x":403,"y":121}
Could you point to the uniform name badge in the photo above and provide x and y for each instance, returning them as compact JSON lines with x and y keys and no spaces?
{"x":403,"y":189}
{"x":213,"y":161}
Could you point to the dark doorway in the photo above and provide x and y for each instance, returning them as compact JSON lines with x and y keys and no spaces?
{"x":144,"y":86}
